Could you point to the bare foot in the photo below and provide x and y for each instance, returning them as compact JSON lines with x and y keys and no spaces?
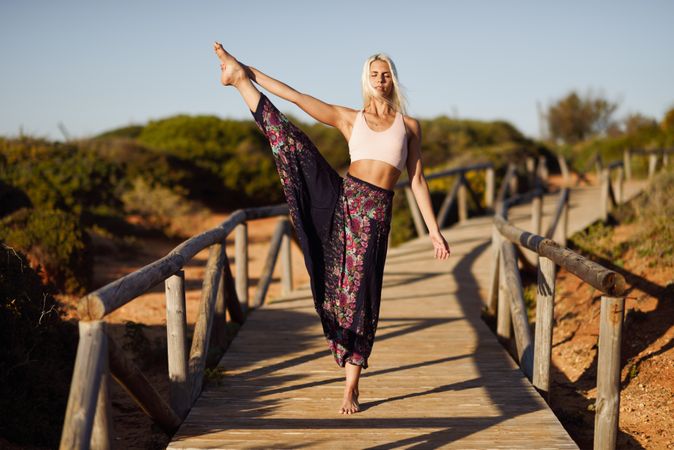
{"x":232,"y":70}
{"x":350,"y":403}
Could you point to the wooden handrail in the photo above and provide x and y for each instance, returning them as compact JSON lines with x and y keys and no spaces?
{"x":505,"y":287}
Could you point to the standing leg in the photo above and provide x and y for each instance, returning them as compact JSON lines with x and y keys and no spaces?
{"x":350,"y":403}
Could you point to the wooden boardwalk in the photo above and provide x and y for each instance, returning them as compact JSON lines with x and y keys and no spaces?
{"x":437,"y":376}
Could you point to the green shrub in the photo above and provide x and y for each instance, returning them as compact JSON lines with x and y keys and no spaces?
{"x":161,"y":208}
{"x":54,"y":240}
{"x":62,"y":176}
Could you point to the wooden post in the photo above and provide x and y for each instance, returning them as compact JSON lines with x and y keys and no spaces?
{"x":286,"y":263}
{"x":463,"y":203}
{"x":268,"y":269}
{"x":101,"y":438}
{"x":503,"y":321}
{"x":130,"y":377}
{"x":608,"y":373}
{"x":204,"y":325}
{"x":513,"y":184}
{"x":530,"y":164}
{"x":627,"y":162}
{"x":545,"y":300}
{"x":620,"y":185}
{"x":489,"y":188}
{"x":543,"y":170}
{"x":536,"y":213}
{"x":220,"y":318}
{"x":416,"y":214}
{"x":241,"y":260}
{"x":176,"y":340}
{"x":665,"y":159}
{"x":604,"y":192}
{"x":518,"y":311}
{"x":652,"y":165}
{"x":564,"y":229}
{"x":449,"y":201}
{"x":564,"y":167}
{"x":84,"y":387}
{"x":492,"y":300}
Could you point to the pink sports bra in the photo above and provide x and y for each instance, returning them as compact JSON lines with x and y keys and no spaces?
{"x":389,"y":146}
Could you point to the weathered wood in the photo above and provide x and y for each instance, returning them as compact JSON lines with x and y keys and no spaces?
{"x":463,"y":205}
{"x":268,"y":269}
{"x":627,"y":161}
{"x":419,"y":224}
{"x":241,"y":260}
{"x":530,"y":164}
{"x":286,"y":266}
{"x":101,"y":437}
{"x":131,"y":378}
{"x":559,"y":210}
{"x":489,"y":188}
{"x":202,"y":329}
{"x":113,"y":295}
{"x":518,"y":310}
{"x":176,"y":341}
{"x":620,"y":181}
{"x":594,"y":274}
{"x":608,"y":373}
{"x":492,"y":298}
{"x":503,"y":319}
{"x":84,"y":387}
{"x":231,"y":297}
{"x":473,"y":196}
{"x":545,"y":300}
{"x":219,"y":329}
{"x":605,"y":194}
{"x":446,"y":173}
{"x":536,"y":214}
{"x":448,"y":202}
{"x":505,"y":184}
{"x":564,"y":167}
{"x":563,"y":229}
{"x":543,"y":172}
{"x":652,"y":164}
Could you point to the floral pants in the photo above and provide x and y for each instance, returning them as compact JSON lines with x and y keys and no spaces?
{"x":342,"y":225}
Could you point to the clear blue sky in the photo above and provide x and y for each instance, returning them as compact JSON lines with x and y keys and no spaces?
{"x":100,"y":65}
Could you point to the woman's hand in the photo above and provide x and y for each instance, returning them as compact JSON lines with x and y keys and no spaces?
{"x":440,"y":245}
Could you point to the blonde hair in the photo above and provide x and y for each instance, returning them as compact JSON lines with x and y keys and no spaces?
{"x":397,"y":100}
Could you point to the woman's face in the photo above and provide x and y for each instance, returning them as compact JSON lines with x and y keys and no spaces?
{"x":381,"y":78}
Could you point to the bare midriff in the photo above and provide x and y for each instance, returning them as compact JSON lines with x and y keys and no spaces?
{"x":375,"y":172}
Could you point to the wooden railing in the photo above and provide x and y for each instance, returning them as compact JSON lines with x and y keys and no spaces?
{"x":88,"y":420}
{"x":506,"y":298}
{"x":456,"y":195}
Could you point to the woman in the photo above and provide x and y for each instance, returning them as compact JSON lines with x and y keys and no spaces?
{"x":342,"y":224}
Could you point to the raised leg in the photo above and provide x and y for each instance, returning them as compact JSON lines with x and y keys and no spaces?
{"x":234,"y":74}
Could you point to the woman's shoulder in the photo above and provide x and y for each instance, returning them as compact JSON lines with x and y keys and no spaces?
{"x":412,"y":124}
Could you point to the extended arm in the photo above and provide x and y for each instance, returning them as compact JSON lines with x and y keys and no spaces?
{"x":420,"y":190}
{"x":333,"y":115}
